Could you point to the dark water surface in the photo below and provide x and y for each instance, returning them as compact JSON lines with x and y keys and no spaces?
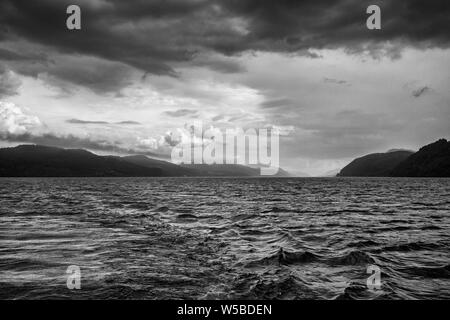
{"x":225,"y":238}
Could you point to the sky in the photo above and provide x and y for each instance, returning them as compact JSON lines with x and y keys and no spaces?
{"x":138,"y":71}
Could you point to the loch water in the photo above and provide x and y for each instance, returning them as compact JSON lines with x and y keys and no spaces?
{"x":225,"y":238}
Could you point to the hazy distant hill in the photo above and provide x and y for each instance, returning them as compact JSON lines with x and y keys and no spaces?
{"x":230,"y":170}
{"x":330,"y":173}
{"x":43,"y":161}
{"x":169,"y":168}
{"x":432,"y":160}
{"x":375,"y":164}
{"x":283,"y":173}
{"x":222,"y":170}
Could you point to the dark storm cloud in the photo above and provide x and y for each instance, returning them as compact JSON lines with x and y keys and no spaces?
{"x":9,"y":55}
{"x":220,"y":65}
{"x":96,"y":74}
{"x":158,"y":36}
{"x":290,"y":25}
{"x":142,"y":34}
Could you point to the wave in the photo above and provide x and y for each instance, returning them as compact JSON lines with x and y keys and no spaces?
{"x":353,"y":258}
{"x":430,"y":228}
{"x":442,"y":272}
{"x":278,"y":287}
{"x":26,"y":264}
{"x":174,"y":239}
{"x":397,"y":228}
{"x":284,"y":257}
{"x":162,"y":209}
{"x":187,"y":216}
{"x":412,"y":246}
{"x":285,"y":210}
{"x":363,"y":243}
{"x":357,"y":291}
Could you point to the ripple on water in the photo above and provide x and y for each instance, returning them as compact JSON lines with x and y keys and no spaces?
{"x":224,"y":238}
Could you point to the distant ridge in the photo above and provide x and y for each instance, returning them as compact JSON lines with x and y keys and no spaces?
{"x":231,"y":170}
{"x":170,"y":169}
{"x":432,"y":160}
{"x":222,"y":169}
{"x":374,"y":165}
{"x":44,"y":161}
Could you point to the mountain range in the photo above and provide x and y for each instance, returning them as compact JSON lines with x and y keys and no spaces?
{"x":44,"y":161}
{"x":432,"y":160}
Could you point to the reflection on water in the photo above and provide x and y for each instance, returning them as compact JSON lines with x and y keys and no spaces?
{"x":224,"y":238}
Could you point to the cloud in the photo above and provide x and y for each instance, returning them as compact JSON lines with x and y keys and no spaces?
{"x":9,"y":83}
{"x":13,"y":120}
{"x":163,"y":144}
{"x":298,"y":25}
{"x":128,"y":122}
{"x":335,"y":81}
{"x":78,"y":121}
{"x":218,"y":117}
{"x":188,"y":134}
{"x":421,"y":91}
{"x":276,"y":103}
{"x":18,"y":126}
{"x":222,"y":64}
{"x":159,"y":37}
{"x":98,"y":75}
{"x":173,"y":138}
{"x":281,"y":130}
{"x":10,"y":55}
{"x":237,"y":117}
{"x":147,"y":35}
{"x":180,"y":113}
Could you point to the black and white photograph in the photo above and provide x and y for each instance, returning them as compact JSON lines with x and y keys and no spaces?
{"x":224,"y":150}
